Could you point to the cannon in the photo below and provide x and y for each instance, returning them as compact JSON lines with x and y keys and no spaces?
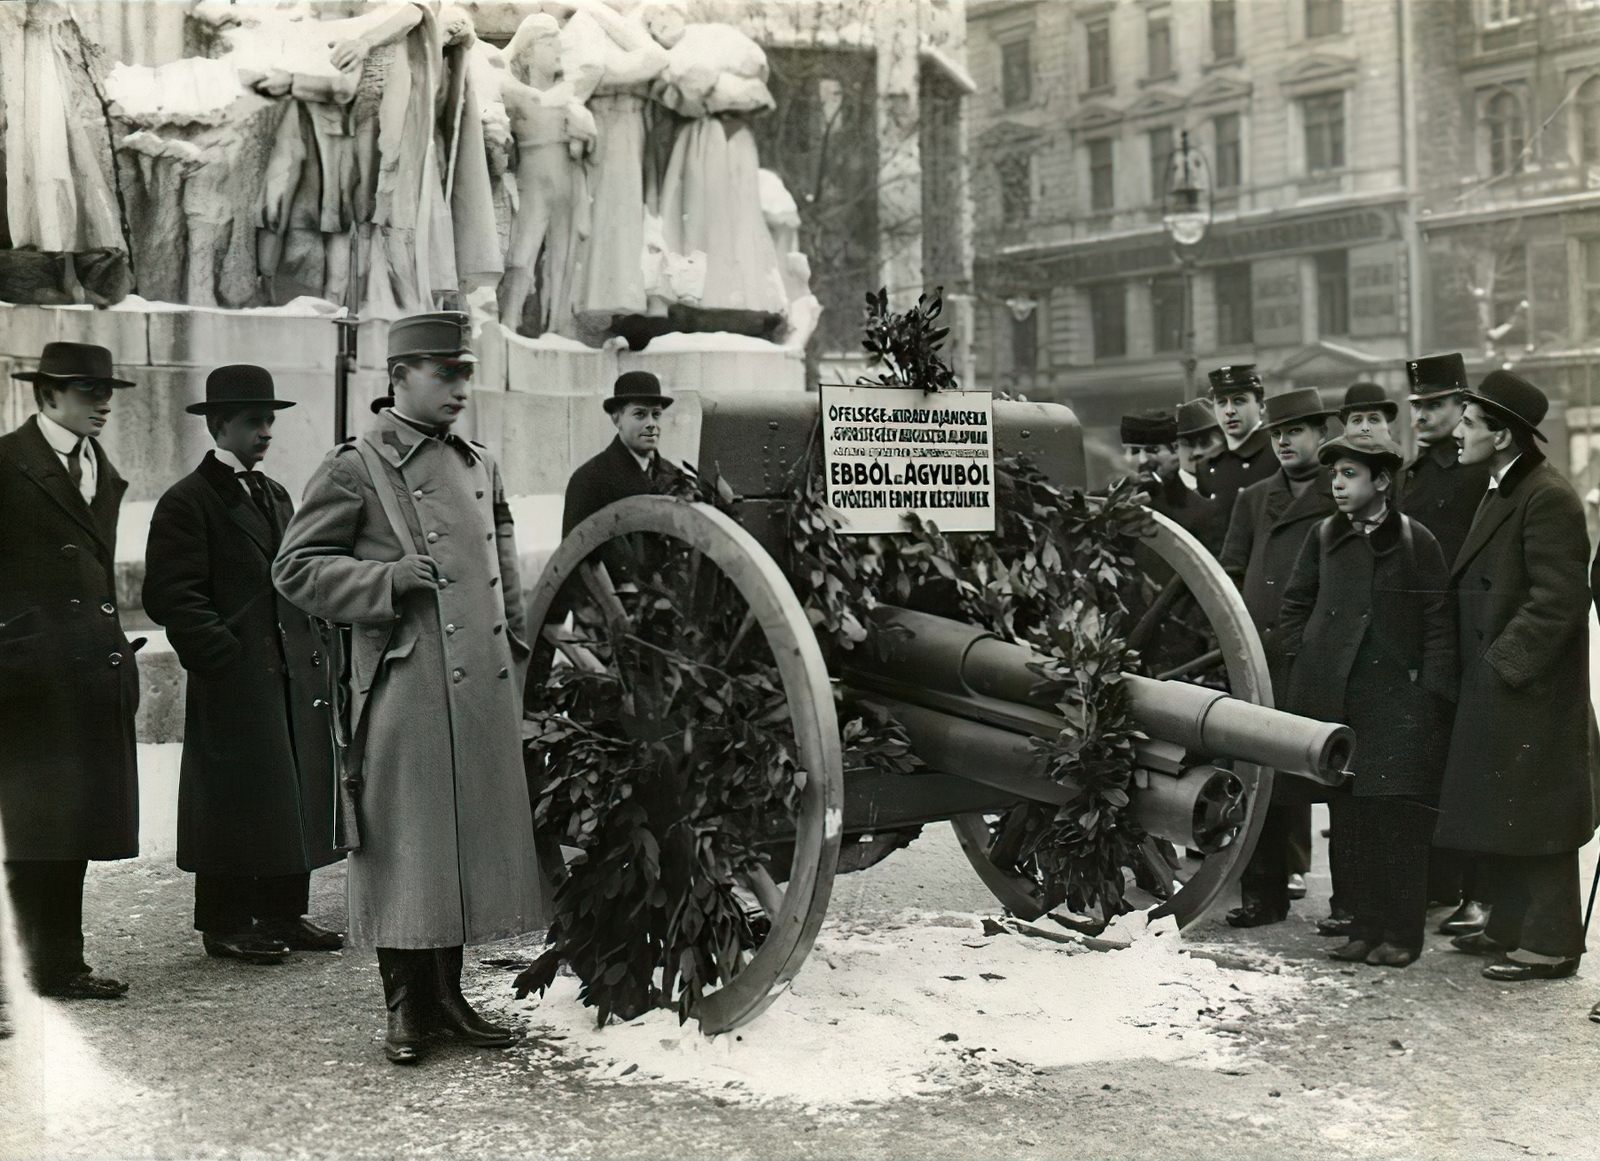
{"x":970,"y":702}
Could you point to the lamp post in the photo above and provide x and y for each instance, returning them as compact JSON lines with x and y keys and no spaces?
{"x":1186,"y":213}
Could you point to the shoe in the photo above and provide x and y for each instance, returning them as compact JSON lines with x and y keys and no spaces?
{"x":1254,"y":915}
{"x":454,"y":1016}
{"x":84,"y":986}
{"x":1477,"y":943}
{"x":1512,"y":972}
{"x":1391,"y":955}
{"x":407,"y":993}
{"x":1356,"y":951}
{"x":1335,"y":925}
{"x":1297,"y":886}
{"x":302,"y":935}
{"x":246,"y":945}
{"x":1464,"y":920}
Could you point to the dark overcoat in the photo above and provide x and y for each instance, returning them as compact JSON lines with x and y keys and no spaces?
{"x":612,"y":475}
{"x":1443,"y":494}
{"x":1231,"y":470}
{"x":1520,"y":776}
{"x":446,"y":827}
{"x":1368,"y":630}
{"x":255,"y":794}
{"x":1204,"y":519}
{"x":69,"y":685}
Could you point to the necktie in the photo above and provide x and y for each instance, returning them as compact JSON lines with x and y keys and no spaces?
{"x":258,"y":493}
{"x":75,"y":466}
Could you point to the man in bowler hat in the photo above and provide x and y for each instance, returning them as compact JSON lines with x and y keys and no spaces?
{"x":1519,"y":783}
{"x":1369,"y":413}
{"x":1270,"y":522}
{"x":255,"y":792}
{"x":405,"y":535}
{"x":631,"y":464}
{"x":69,"y":686}
{"x":1238,"y":395}
{"x":1199,"y":441}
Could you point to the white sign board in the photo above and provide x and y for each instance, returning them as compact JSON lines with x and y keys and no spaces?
{"x":888,"y":451}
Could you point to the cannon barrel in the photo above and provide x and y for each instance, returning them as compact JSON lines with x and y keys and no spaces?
{"x":967,"y":672}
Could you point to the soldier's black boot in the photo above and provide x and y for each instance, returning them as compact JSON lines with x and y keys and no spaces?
{"x":407,"y":990}
{"x":455,"y":1016}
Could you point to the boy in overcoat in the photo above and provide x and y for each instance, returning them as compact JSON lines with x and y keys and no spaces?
{"x":255,"y":793}
{"x":69,"y":686}
{"x":1519,"y":784}
{"x":1270,"y":522}
{"x":1369,"y":623}
{"x":446,"y":855}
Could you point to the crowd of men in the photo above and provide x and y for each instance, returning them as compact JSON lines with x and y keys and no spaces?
{"x":1440,"y":608}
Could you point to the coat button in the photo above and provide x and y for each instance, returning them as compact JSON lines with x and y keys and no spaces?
{"x":444,"y":582}
{"x":480,"y":493}
{"x":115,"y":659}
{"x":505,"y":673}
{"x":456,"y":675}
{"x":417,"y":495}
{"x":493,"y":581}
{"x":69,"y":550}
{"x":449,"y":628}
{"x":490,"y":536}
{"x":433,"y":537}
{"x":497,"y":628}
{"x":108,"y":608}
{"x":74,"y":602}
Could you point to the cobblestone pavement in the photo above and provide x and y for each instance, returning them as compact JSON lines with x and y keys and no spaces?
{"x":206,"y":1058}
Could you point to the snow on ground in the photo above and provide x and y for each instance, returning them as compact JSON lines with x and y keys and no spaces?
{"x":926,"y":1003}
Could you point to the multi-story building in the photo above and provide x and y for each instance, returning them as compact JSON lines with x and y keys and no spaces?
{"x":1508,"y":148}
{"x":1307,"y":268}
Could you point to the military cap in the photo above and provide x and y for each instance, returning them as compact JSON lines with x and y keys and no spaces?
{"x":1293,"y":406}
{"x":239,"y":385}
{"x":1377,"y":452}
{"x":1238,"y":377}
{"x":1511,"y":398}
{"x":65,"y":362}
{"x":1434,"y":375}
{"x":1151,"y":427}
{"x":636,"y":387}
{"x":440,"y":334}
{"x":1197,"y":416}
{"x":1368,"y":397}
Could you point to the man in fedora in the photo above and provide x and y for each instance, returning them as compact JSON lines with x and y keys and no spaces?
{"x":1199,"y":441}
{"x":1270,"y":522}
{"x":1237,"y":394}
{"x":1442,"y":494}
{"x":255,"y":791}
{"x":1369,"y":413}
{"x":405,"y":535}
{"x":631,"y":464}
{"x":69,"y":686}
{"x":1150,"y":445}
{"x":1519,"y":783}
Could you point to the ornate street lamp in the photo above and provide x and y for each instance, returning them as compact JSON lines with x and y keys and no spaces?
{"x":1186,"y":213}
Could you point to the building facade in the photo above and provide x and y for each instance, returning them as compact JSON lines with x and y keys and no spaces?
{"x":1308,"y":265}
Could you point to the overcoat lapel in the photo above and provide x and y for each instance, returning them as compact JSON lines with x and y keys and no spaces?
{"x":241,"y":510}
{"x":1314,"y":501}
{"x":39,"y":464}
{"x":1497,"y":507}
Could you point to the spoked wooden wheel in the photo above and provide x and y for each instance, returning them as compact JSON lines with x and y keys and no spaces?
{"x":1231,"y":815}
{"x":600,"y":620}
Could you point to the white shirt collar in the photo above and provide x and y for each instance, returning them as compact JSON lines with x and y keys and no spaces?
{"x":58,"y":437}
{"x":644,"y":460}
{"x":227,"y":458}
{"x":1189,"y":480}
{"x":1498,"y":474}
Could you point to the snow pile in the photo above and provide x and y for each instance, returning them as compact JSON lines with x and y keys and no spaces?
{"x":927,"y":1002}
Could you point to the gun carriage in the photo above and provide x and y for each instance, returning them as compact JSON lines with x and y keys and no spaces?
{"x":969,"y":701}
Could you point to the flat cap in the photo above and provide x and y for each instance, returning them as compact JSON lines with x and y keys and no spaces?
{"x":1375,"y":451}
{"x":1150,"y":427}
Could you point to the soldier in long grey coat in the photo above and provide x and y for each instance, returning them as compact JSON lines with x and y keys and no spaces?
{"x":438,"y":655}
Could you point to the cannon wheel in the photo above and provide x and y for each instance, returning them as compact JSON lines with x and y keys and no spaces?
{"x":795,"y":908}
{"x":1245,"y":664}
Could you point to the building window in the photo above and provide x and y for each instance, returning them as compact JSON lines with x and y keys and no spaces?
{"x":1230,"y":158}
{"x":1024,"y":342}
{"x":1503,"y":13}
{"x":1099,"y":54}
{"x":1160,"y":159}
{"x":1158,"y":43}
{"x":1016,"y":188}
{"x":1166,"y":312}
{"x":1510,"y":297}
{"x":1591,"y":288}
{"x":1235,"y":321}
{"x":1016,"y":74}
{"x":1333,"y":293}
{"x":1589,"y":122}
{"x":1102,"y":190}
{"x":1503,"y":118}
{"x":1324,"y":17}
{"x":1324,"y":121}
{"x":1224,"y":29}
{"x":1108,"y":311}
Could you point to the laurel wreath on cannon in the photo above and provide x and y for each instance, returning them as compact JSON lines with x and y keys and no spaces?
{"x":668,"y":775}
